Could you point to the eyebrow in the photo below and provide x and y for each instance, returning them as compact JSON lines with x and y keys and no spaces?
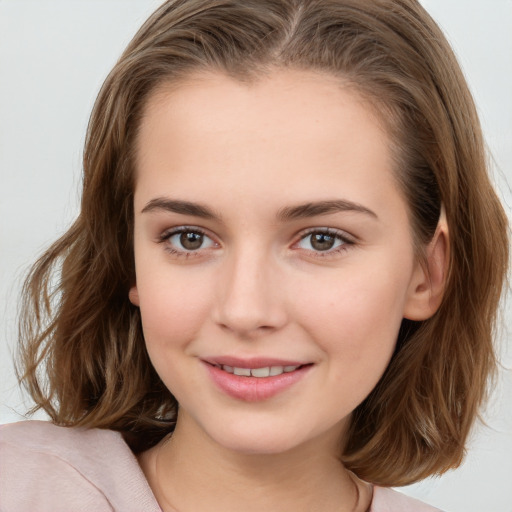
{"x":301,"y":211}
{"x":183,"y":207}
{"x":313,"y":209}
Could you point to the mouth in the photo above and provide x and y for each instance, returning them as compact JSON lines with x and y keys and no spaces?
{"x":260,"y":373}
{"x":255,"y":380}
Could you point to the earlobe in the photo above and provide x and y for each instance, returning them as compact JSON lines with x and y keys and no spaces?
{"x":429,"y":278}
{"x":133,"y":295}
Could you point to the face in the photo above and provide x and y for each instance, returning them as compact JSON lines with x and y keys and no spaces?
{"x":274,"y":258}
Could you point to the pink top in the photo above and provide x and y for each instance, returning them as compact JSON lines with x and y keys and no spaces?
{"x":45,"y":468}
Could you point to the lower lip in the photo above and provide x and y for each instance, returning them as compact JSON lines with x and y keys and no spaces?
{"x":254,"y":389}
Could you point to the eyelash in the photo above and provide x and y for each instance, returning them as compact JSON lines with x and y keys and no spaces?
{"x":346,"y":241}
{"x":167,"y":235}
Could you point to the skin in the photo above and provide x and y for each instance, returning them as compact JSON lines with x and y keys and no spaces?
{"x":258,"y":287}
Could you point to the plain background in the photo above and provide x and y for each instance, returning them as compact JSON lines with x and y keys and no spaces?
{"x":54,"y":55}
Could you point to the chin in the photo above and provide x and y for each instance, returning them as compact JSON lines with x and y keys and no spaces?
{"x":263,"y":438}
{"x":259,"y":445}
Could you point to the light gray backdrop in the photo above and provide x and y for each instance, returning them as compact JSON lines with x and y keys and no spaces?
{"x":54,"y":55}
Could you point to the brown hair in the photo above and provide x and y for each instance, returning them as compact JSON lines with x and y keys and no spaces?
{"x":83,"y":357}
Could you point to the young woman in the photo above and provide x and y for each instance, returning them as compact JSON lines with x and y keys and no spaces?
{"x":281,"y":287}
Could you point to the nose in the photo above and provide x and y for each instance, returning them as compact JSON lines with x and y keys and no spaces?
{"x":250,"y":298}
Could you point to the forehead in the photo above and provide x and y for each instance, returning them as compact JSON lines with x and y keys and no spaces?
{"x":292,"y":133}
{"x":269,"y":105}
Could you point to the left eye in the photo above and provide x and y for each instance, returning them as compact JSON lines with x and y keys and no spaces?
{"x":321,"y":241}
{"x":189,"y":240}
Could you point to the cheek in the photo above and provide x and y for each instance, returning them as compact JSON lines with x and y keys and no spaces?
{"x":355,"y":320}
{"x":172,"y":308}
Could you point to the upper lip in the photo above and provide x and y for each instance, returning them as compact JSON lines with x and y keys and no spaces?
{"x":252,"y":362}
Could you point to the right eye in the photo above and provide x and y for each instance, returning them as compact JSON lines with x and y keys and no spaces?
{"x":185,"y":240}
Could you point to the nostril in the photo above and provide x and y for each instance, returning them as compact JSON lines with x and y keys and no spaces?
{"x":246,"y":328}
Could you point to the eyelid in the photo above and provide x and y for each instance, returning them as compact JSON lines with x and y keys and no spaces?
{"x":167,"y":234}
{"x":344,"y":235}
{"x":182,"y":229}
{"x":347,"y":239}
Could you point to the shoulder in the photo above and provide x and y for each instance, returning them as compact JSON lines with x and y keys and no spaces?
{"x":388,"y":500}
{"x":44,"y":467}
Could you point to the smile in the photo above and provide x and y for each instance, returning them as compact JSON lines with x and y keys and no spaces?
{"x":256,"y":383}
{"x":267,"y":371}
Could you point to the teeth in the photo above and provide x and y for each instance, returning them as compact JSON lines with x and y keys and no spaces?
{"x":276,"y":370}
{"x":260,"y":372}
{"x":245,"y":372}
{"x":268,"y":371}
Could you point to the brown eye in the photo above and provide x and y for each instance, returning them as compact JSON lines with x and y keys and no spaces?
{"x":322,"y":241}
{"x":326,"y":240}
{"x":184,"y":240}
{"x":191,"y":241}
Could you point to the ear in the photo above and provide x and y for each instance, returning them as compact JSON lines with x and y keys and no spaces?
{"x":133,"y":295}
{"x":428,"y":282}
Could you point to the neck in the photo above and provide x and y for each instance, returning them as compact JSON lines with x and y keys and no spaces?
{"x":189,"y":472}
